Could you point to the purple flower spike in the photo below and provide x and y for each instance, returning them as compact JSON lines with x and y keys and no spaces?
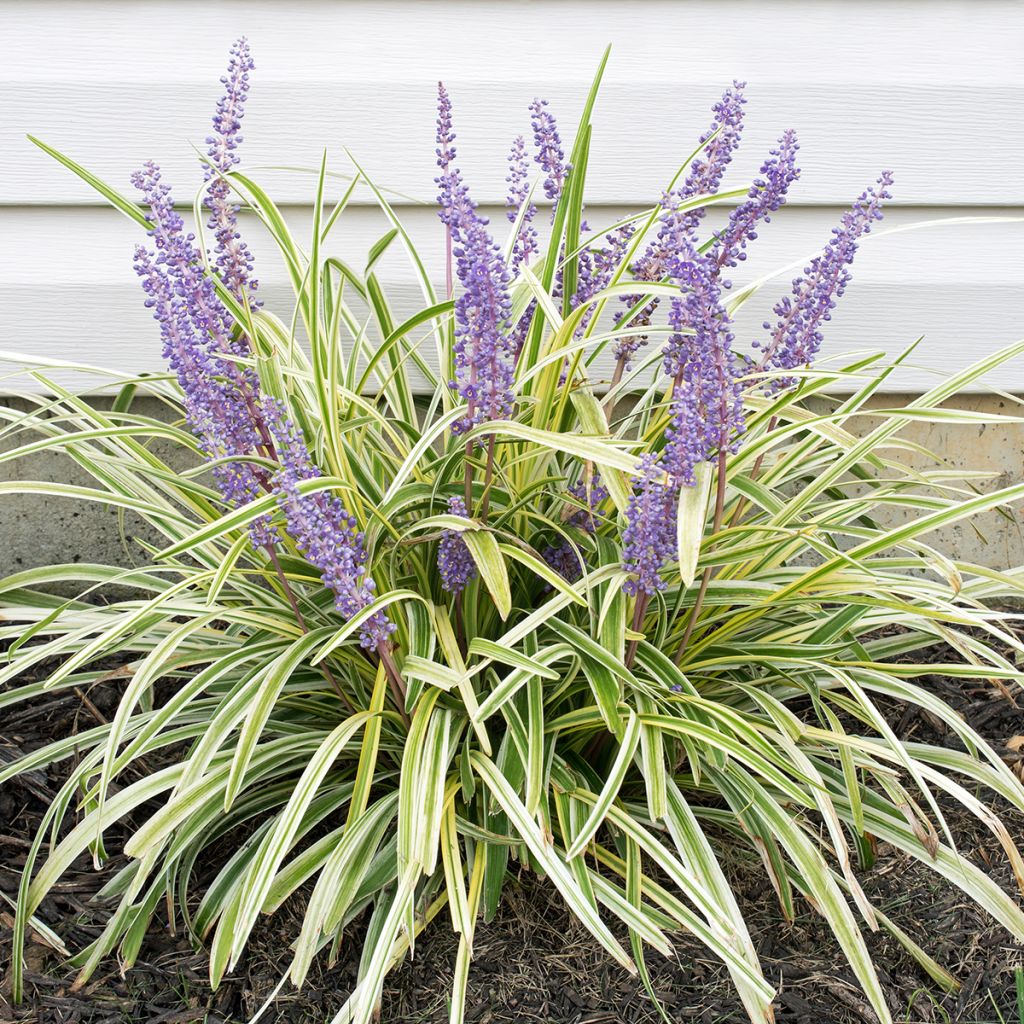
{"x":454,"y":562}
{"x":484,"y":353}
{"x":484,"y":360}
{"x":549,"y":150}
{"x":704,"y":177}
{"x":796,"y":337}
{"x":685,"y":443}
{"x":596,"y":266}
{"x":216,"y":412}
{"x":227,"y":121}
{"x":708,"y":168}
{"x":194,"y":326}
{"x":649,"y":539}
{"x":767,"y":194}
{"x":526,"y":243}
{"x":323,"y":530}
{"x":234,"y":260}
{"x":451,"y":192}
{"x":176,"y":252}
{"x":704,"y":361}
{"x":518,"y":192}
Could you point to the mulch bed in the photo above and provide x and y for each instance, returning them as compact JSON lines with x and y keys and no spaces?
{"x":533,"y":963}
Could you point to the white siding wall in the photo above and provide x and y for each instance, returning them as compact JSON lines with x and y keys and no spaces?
{"x":932,"y":89}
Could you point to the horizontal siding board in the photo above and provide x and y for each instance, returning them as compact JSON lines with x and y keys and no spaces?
{"x":653,"y":39}
{"x":78,"y":298}
{"x":867,"y":85}
{"x":639,"y":139}
{"x":931,"y":88}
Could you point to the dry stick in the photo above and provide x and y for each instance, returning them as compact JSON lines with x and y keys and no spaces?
{"x":639,"y":611}
{"x":488,"y":475}
{"x":395,"y":680}
{"x":467,"y":478}
{"x":706,"y":578}
{"x":620,"y":369}
{"x":305,"y":629}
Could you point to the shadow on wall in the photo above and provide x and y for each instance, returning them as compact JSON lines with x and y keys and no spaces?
{"x":38,"y":530}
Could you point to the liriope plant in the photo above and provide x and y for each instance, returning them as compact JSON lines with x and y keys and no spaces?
{"x":436,"y":601}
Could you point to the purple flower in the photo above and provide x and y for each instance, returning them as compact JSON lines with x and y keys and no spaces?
{"x":177,"y":254}
{"x":549,"y":151}
{"x":649,"y":539}
{"x":685,"y":441}
{"x":591,"y":496}
{"x":562,"y":557}
{"x":552,"y":160}
{"x":710,"y":406}
{"x":452,"y":195}
{"x":454,"y":562}
{"x":484,"y":353}
{"x":706,"y":416}
{"x":797,"y":335}
{"x":219,"y":399}
{"x":767,"y":194}
{"x":708,"y":168}
{"x":704,"y":177}
{"x":233,"y":258}
{"x":518,"y":193}
{"x":595,"y":267}
{"x":323,"y":530}
{"x":227,"y":121}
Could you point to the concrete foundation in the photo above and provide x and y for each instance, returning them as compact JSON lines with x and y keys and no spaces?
{"x":44,"y":530}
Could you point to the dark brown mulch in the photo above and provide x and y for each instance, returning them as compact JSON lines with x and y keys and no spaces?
{"x":533,"y":963}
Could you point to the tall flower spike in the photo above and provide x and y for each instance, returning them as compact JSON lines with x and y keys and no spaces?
{"x":452,"y":195}
{"x":685,"y":441}
{"x":591,"y":496}
{"x":704,"y":360}
{"x":234,"y":260}
{"x":323,"y":530}
{"x":217,"y":398}
{"x":719,"y":143}
{"x":454,"y":562}
{"x":177,"y":253}
{"x":549,"y":151}
{"x":484,"y":354}
{"x":518,"y":194}
{"x":709,"y":165}
{"x":596,"y":267}
{"x":649,"y":539}
{"x":796,"y":337}
{"x":766,"y":195}
{"x":484,"y":360}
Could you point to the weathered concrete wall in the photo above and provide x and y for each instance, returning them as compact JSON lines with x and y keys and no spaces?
{"x":994,"y":539}
{"x":44,"y":530}
{"x":47,"y":530}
